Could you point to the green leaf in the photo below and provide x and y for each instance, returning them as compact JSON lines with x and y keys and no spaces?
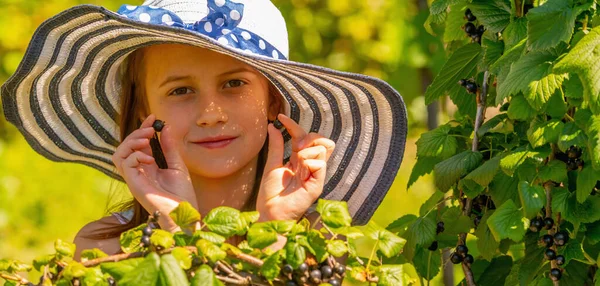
{"x":210,"y":236}
{"x":400,"y":225}
{"x":455,"y":222}
{"x":494,"y":15}
{"x":533,"y":260}
{"x":337,"y":247}
{"x":485,"y":173}
{"x":186,"y":217}
{"x":146,"y":272}
{"x":295,"y":254}
{"x":209,"y":250}
{"x":592,"y":233}
{"x":516,"y":158}
{"x":462,"y":64}
{"x":491,"y":124}
{"x":533,"y":198}
{"x":263,"y":234}
{"x":119,"y":269}
{"x":551,"y":23}
{"x":555,"y":171}
{"x":454,"y":21}
{"x":162,"y":239}
{"x":544,"y":132}
{"x":423,"y":167}
{"x":334,"y":213}
{"x":431,"y":203}
{"x":497,"y":271}
{"x":532,"y":75}
{"x":427,"y":263}
{"x":131,"y":240}
{"x":318,"y":244}
{"x":573,"y":250}
{"x":571,"y":135}
{"x":64,"y":248}
{"x":493,"y":51}
{"x":508,"y":222}
{"x":420,"y":232}
{"x":573,"y":211}
{"x":515,"y":33}
{"x":170,"y":271}
{"x":250,"y":217}
{"x":390,"y":275}
{"x":388,"y":243}
{"x":594,"y":140}
{"x":486,"y":243}
{"x":270,"y":268}
{"x":205,"y":277}
{"x":38,"y":262}
{"x":520,"y":109}
{"x":225,"y":221}
{"x":437,"y":143}
{"x":586,"y":180}
{"x":89,"y":254}
{"x":93,"y":277}
{"x":581,"y":60}
{"x":556,"y":107}
{"x":449,"y":171}
{"x":183,"y":257}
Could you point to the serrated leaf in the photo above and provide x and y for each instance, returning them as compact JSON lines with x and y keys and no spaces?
{"x":422,"y":231}
{"x":185,"y":216}
{"x":171,"y":273}
{"x":337,"y":247}
{"x":390,"y":275}
{"x":555,"y":171}
{"x":388,"y":243}
{"x":486,"y":243}
{"x":454,"y":21}
{"x":592,"y":233}
{"x":74,"y":270}
{"x":205,"y":276}
{"x":594,"y":140}
{"x":455,"y":222}
{"x":581,"y":60}
{"x":508,"y":222}
{"x":497,"y":271}
{"x":515,"y":32}
{"x":586,"y":180}
{"x":89,"y":254}
{"x":225,"y":221}
{"x":210,"y":250}
{"x":119,"y":269}
{"x":249,"y":217}
{"x":270,"y":268}
{"x":295,"y":254}
{"x":449,"y":171}
{"x":183,"y":257}
{"x":318,"y":244}
{"x":162,"y":238}
{"x":423,"y":166}
{"x":64,"y":248}
{"x":494,"y":15}
{"x":131,"y":240}
{"x":485,"y":173}
{"x":573,"y":250}
{"x":210,"y":236}
{"x":146,"y":272}
{"x":520,"y":109}
{"x":427,"y":263}
{"x":574,"y":212}
{"x":533,"y":198}
{"x":263,"y":234}
{"x":571,"y":135}
{"x":493,"y":51}
{"x":400,"y":225}
{"x":334,"y":213}
{"x":532,"y":75}
{"x":516,"y":158}
{"x":556,"y":107}
{"x":437,"y":143}
{"x":38,"y":262}
{"x":544,"y":132}
{"x":462,"y":64}
{"x":551,"y":23}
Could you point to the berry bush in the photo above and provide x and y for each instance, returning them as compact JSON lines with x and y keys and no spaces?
{"x":516,"y":172}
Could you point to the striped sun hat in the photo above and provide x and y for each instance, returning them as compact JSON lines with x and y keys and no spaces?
{"x":64,"y":96}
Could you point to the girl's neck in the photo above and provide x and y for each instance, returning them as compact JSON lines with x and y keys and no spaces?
{"x":231,"y":191}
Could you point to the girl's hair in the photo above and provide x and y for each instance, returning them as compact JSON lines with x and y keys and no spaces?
{"x":133,"y":99}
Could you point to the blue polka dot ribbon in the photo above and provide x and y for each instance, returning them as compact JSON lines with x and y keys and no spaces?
{"x":220,"y":24}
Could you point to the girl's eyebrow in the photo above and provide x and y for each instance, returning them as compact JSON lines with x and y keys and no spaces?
{"x":241,"y":69}
{"x":174,"y":78}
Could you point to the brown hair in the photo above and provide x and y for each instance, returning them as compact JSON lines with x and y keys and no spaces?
{"x":133,"y":105}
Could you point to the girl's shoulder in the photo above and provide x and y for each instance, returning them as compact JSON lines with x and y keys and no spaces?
{"x":84,"y":238}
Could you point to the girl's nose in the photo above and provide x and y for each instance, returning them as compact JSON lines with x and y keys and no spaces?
{"x":211,"y":115}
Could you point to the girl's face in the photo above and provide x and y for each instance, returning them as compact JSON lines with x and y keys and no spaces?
{"x":216,"y":105}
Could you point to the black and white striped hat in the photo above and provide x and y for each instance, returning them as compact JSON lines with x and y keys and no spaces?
{"x":64,"y":96}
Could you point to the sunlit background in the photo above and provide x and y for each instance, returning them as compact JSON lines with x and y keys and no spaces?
{"x":41,"y":201}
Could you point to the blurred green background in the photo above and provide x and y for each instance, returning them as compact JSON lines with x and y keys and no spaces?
{"x":41,"y":201}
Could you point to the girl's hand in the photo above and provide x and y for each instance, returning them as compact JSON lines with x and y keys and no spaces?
{"x":155,"y":188}
{"x":287,"y":191}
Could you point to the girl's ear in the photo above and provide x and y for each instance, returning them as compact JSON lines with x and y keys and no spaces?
{"x":275,"y":103}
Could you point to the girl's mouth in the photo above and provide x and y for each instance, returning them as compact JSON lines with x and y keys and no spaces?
{"x":214,"y":143}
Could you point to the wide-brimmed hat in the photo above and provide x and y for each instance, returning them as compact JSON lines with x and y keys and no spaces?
{"x":64,"y":96}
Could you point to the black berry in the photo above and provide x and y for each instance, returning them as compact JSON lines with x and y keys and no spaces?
{"x":561,"y":238}
{"x":574,"y":152}
{"x":480,"y":30}
{"x":555,"y":274}
{"x":440,"y":227}
{"x":574,"y":163}
{"x":433,"y":246}
{"x":548,"y":222}
{"x":145,"y":241}
{"x":560,"y":260}
{"x":550,"y":254}
{"x":158,"y":125}
{"x":536,"y":224}
{"x":315,"y":276}
{"x":462,"y":82}
{"x":326,"y":271}
{"x":147,"y":231}
{"x":470,"y":29}
{"x":456,"y":258}
{"x":287,"y":269}
{"x":462,"y":250}
{"x":290,"y":283}
{"x":477,"y":220}
{"x":471,"y":87}
{"x":335,"y":282}
{"x":277,"y":124}
{"x":469,"y":15}
{"x":548,"y":240}
{"x":340,"y":269}
{"x":469,"y":259}
{"x":303,"y":267}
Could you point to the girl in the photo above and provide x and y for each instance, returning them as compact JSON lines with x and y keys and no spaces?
{"x":93,"y":82}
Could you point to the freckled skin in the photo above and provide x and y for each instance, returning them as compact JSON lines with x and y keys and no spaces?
{"x":208,"y":101}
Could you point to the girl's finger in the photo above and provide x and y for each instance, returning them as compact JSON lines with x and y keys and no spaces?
{"x":275,"y":155}
{"x":316,"y":152}
{"x":148,"y":121}
{"x":144,"y":132}
{"x":132,"y":145}
{"x":136,"y":159}
{"x":294,"y":130}
{"x":170,"y":151}
{"x":315,"y":139}
{"x":315,"y":177}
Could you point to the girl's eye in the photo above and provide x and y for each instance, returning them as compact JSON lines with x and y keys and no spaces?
{"x":181,"y":91}
{"x":234,"y":83}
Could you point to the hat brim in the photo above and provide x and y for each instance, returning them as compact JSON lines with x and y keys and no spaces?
{"x":64,"y":99}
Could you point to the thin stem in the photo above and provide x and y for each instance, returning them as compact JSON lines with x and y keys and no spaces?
{"x":16,"y":277}
{"x":372,"y":254}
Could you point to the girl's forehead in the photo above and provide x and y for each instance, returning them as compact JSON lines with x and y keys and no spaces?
{"x":168,"y":57}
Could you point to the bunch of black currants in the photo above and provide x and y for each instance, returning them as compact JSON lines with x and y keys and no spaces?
{"x":572,"y":158}
{"x":326,"y":272}
{"x":472,"y":31}
{"x":559,"y":239}
{"x":147,"y":231}
{"x":461,"y":254}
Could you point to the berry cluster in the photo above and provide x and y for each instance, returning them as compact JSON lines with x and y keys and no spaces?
{"x":572,"y":158}
{"x":315,"y":274}
{"x":472,"y":31}
{"x":461,"y":254}
{"x":147,"y":231}
{"x":439,"y":229}
{"x":469,"y":85}
{"x":559,"y":239}
{"x":538,"y":223}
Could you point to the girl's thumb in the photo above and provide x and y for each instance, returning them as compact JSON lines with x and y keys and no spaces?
{"x":172,"y":156}
{"x":275,"y":155}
